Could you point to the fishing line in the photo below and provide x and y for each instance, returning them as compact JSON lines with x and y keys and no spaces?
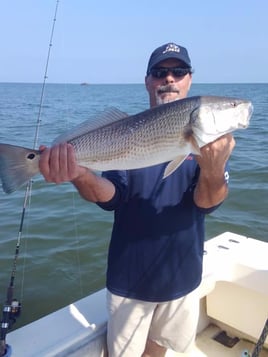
{"x":45,"y":79}
{"x":12,"y":307}
{"x":77,"y":247}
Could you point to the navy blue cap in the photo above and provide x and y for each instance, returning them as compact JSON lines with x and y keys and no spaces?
{"x":169,"y":50}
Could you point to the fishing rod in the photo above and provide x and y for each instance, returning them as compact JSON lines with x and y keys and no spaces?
{"x":12,"y":307}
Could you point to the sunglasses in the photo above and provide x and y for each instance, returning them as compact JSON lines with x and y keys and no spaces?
{"x":162,"y":72}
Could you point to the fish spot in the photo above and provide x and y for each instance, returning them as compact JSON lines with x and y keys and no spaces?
{"x":31,"y":156}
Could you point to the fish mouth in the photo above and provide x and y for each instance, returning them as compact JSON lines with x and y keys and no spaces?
{"x":248,"y":111}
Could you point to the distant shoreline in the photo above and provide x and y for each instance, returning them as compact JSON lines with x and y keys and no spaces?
{"x":86,"y":84}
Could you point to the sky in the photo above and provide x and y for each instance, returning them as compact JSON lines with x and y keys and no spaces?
{"x":110,"y":41}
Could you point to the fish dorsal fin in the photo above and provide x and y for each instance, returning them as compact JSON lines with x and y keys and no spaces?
{"x":109,"y":116}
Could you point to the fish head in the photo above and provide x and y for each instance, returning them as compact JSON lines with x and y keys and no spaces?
{"x":217,"y":116}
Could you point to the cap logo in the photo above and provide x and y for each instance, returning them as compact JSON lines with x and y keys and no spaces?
{"x":171,"y":48}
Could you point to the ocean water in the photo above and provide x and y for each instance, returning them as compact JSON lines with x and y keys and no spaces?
{"x":64,"y":241}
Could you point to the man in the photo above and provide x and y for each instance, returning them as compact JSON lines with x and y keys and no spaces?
{"x":156,"y":248}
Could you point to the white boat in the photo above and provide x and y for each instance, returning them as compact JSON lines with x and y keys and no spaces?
{"x":233,"y":302}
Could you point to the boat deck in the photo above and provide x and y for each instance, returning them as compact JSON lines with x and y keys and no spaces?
{"x":206,"y":346}
{"x":234,"y":283}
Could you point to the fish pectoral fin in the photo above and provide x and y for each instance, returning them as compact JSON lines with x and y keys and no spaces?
{"x":173,"y":165}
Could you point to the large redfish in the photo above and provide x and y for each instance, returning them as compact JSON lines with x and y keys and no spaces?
{"x":116,"y":141}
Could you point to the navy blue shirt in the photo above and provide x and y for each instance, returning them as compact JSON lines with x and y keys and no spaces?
{"x":156,"y":248}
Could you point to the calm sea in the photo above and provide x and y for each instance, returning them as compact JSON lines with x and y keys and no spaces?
{"x":64,"y":242}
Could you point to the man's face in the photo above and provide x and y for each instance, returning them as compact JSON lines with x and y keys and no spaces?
{"x":170,"y":87}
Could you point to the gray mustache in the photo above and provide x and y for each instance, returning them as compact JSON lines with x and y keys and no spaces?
{"x":168,"y":88}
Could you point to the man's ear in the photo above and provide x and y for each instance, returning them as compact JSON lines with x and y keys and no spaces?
{"x":190,"y":82}
{"x":146,"y":80}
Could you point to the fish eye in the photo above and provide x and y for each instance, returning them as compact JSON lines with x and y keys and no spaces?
{"x":234,"y":104}
{"x":31,"y":156}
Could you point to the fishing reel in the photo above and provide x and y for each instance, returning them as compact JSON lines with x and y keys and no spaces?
{"x":11,"y":312}
{"x":15,"y":310}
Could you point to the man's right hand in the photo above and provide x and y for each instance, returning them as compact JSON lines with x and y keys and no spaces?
{"x":58,"y":163}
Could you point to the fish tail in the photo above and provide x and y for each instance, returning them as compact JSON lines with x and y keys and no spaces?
{"x":17,"y":166}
